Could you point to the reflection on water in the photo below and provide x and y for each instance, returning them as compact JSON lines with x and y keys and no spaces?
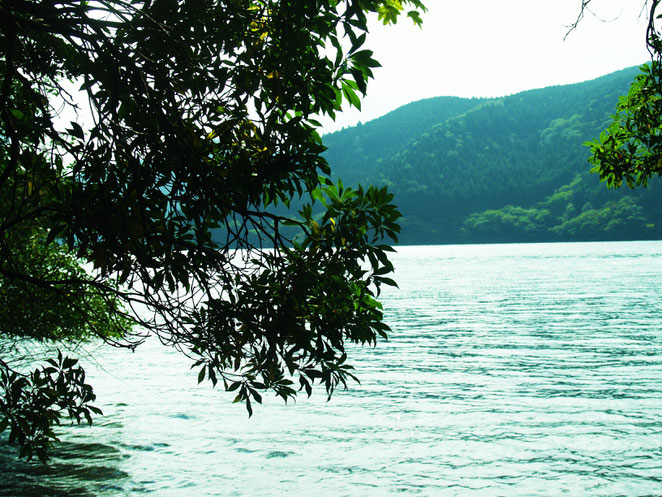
{"x":512,"y":370}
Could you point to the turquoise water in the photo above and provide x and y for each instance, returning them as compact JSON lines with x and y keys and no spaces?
{"x":511,"y":370}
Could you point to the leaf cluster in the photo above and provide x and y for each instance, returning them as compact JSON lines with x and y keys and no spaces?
{"x":292,"y":317}
{"x":32,"y":404}
{"x":630,"y":149}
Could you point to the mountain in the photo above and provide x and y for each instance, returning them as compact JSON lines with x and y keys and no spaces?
{"x":511,"y":169}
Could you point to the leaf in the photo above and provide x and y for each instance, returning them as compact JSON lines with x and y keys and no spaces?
{"x":249,"y":407}
{"x":351,"y":96}
{"x":387,"y":281}
{"x":317,"y":194}
{"x":69,"y":362}
{"x":416,"y":17}
{"x":76,"y":130}
{"x":357,"y":43}
{"x":95,"y":410}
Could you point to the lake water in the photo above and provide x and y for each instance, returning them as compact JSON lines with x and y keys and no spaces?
{"x":511,"y":370}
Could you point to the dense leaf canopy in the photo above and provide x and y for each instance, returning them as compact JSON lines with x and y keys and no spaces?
{"x":149,"y":155}
{"x":630,"y":149}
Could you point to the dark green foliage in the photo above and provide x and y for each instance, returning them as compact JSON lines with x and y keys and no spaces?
{"x":298,"y":306}
{"x":173,"y":196}
{"x":37,"y":306}
{"x":33,"y":404}
{"x":624,"y":217}
{"x":369,"y":144}
{"x":500,"y":170}
{"x":507,"y":224}
{"x":630,"y":149}
{"x":569,"y":214}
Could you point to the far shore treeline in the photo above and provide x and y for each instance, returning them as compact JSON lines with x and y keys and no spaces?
{"x":511,"y":169}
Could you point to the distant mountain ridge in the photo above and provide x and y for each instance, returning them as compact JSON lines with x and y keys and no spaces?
{"x":501,"y":169}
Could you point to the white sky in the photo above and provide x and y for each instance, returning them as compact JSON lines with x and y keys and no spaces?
{"x":491,"y":48}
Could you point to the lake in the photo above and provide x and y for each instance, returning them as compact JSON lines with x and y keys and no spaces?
{"x":530,"y":369}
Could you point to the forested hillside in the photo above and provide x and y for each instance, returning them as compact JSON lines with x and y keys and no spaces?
{"x":499,"y":170}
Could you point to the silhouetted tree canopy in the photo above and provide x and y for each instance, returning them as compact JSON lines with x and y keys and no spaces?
{"x":149,"y":151}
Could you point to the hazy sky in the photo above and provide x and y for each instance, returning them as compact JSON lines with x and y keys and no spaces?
{"x":491,"y":48}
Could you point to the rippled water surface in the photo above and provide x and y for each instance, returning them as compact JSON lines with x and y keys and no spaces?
{"x":511,"y":370}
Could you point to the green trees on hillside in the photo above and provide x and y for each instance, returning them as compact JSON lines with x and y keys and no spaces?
{"x":512,"y":169}
{"x":144,"y":147}
{"x":567,"y":214}
{"x":380,"y":139}
{"x":506,"y":224}
{"x":623,"y":217}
